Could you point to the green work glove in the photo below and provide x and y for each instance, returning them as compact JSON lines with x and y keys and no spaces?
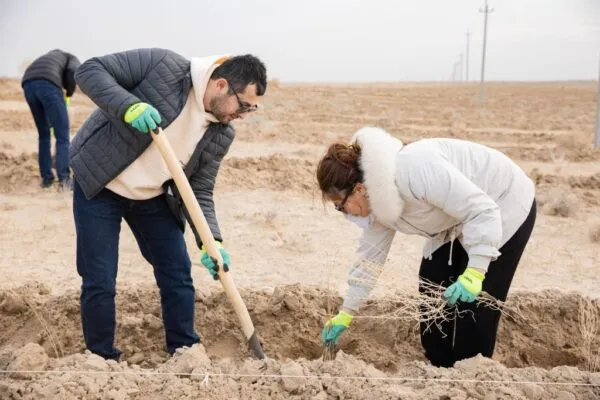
{"x":335,"y":327}
{"x":466,"y":288}
{"x":211,"y":264}
{"x":67,"y":101}
{"x":143,"y":117}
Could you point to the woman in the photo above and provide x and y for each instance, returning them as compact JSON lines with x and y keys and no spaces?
{"x":475,"y":206}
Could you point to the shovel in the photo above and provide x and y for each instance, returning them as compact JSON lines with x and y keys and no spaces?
{"x":201,"y":225}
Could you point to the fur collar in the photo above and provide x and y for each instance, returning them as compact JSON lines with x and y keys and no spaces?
{"x":378,"y":163}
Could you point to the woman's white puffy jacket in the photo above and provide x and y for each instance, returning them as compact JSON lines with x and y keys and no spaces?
{"x":442,"y":189}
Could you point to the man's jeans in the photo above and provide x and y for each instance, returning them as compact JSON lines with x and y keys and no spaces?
{"x":47,"y":104}
{"x":160,"y":239}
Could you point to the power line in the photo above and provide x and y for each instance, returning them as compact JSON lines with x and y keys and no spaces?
{"x":486,"y":10}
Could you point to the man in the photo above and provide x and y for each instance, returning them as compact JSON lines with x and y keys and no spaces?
{"x":42,"y":84}
{"x":120,"y":174}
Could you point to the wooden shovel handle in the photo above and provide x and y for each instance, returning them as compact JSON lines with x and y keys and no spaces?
{"x":193,"y":208}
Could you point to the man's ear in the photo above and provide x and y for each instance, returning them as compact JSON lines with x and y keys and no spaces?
{"x":221,"y":85}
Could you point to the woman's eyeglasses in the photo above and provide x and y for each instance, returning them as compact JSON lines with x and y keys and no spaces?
{"x":340,"y":206}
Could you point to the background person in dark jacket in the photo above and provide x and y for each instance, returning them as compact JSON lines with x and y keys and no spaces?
{"x":120,"y":174}
{"x":43,"y":84}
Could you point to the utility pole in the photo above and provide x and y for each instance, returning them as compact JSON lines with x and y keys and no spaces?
{"x":467,"y":57}
{"x":453,"y":74}
{"x":486,"y":10}
{"x":460,"y":75}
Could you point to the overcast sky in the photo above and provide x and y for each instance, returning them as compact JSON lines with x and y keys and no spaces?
{"x":321,"y":40}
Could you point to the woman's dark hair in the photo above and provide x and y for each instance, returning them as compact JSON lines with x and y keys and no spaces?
{"x":339,"y":171}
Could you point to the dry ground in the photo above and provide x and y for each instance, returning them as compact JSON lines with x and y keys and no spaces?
{"x":290,"y":253}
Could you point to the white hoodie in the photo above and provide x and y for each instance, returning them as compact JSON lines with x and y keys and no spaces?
{"x":442,"y":189}
{"x":143,"y":178}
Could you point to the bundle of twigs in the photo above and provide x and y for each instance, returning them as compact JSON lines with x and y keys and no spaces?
{"x":426,"y":307}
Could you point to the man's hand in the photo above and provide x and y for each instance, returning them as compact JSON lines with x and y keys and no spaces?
{"x":335,"y":327}
{"x":466,"y":288}
{"x":143,"y":117}
{"x":211,"y":264}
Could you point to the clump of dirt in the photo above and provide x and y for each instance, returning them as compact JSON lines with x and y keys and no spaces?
{"x":10,"y":89}
{"x":31,"y":357}
{"x":551,"y":154}
{"x":89,"y":376}
{"x":18,"y":171}
{"x":376,"y":360}
{"x":20,"y":120}
{"x":274,"y":172}
{"x":577,"y":148}
{"x":558,"y":201}
{"x":590,"y":182}
{"x":16,"y":120}
{"x":289,"y":322}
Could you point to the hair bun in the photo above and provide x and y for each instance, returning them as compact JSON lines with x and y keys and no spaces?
{"x":345,"y":154}
{"x":339,"y":170}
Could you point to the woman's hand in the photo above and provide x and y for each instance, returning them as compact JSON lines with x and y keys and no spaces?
{"x":466,"y":288}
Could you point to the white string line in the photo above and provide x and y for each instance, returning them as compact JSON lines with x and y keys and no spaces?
{"x":206,"y":376}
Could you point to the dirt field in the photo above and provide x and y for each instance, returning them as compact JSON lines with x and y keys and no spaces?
{"x":290,"y":255}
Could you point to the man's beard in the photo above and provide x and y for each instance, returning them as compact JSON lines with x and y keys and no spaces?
{"x":216,"y":109}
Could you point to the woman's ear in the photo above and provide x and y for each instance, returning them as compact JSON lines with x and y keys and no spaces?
{"x":362,"y":189}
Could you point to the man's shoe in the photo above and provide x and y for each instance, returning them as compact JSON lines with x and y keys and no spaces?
{"x":46,"y":184}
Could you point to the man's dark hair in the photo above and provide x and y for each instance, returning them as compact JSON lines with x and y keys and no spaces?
{"x":241,"y":71}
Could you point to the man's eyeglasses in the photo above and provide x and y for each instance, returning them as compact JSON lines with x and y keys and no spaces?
{"x":340,"y":206}
{"x":243,"y":106}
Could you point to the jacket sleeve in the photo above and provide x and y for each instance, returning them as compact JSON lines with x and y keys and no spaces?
{"x":107,"y":80}
{"x":203,"y":184}
{"x":69,"y":75}
{"x":439,"y":183}
{"x":374,"y":246}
